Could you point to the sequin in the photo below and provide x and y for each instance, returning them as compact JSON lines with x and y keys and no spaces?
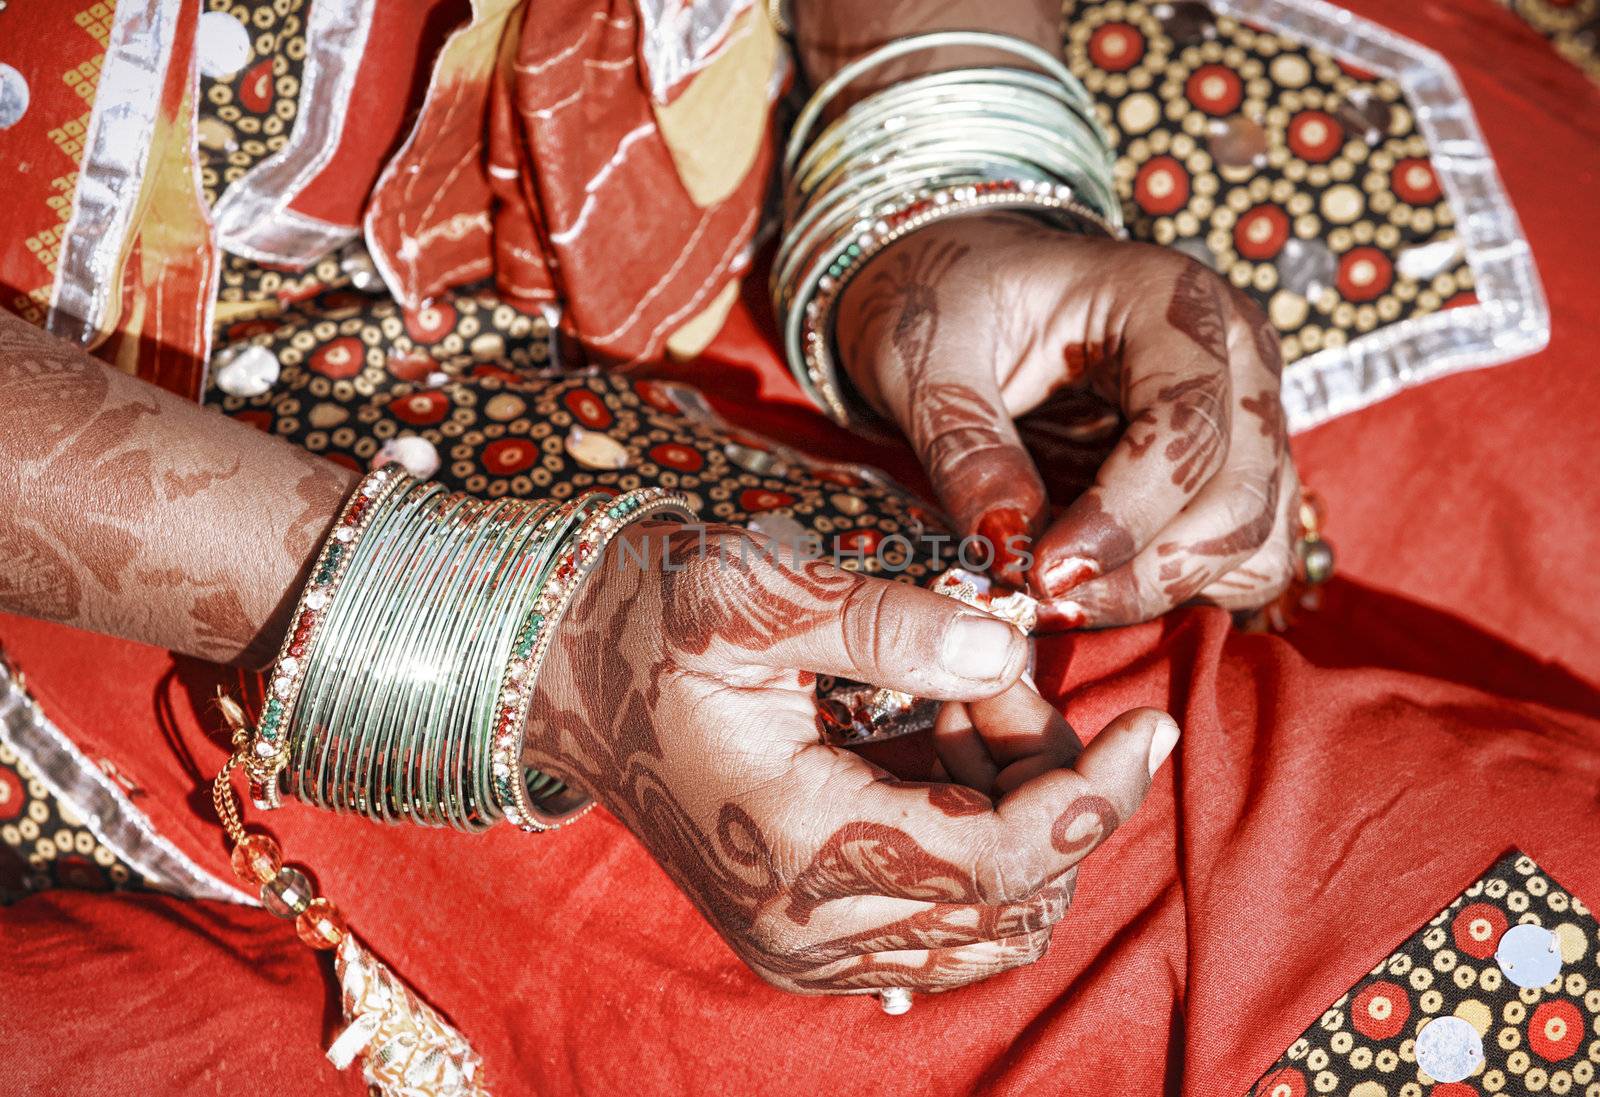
{"x":13,"y":97}
{"x":1449,"y":1049}
{"x":1237,"y":142}
{"x":1529,"y":955}
{"x":1424,"y":261}
{"x":1186,"y":23}
{"x":754,"y":460}
{"x":1307,"y":267}
{"x":222,"y":44}
{"x":592,"y":449}
{"x":250,"y":372}
{"x":781,"y":528}
{"x":1366,"y":115}
{"x":355,"y":262}
{"x":852,"y":505}
{"x":416,"y":455}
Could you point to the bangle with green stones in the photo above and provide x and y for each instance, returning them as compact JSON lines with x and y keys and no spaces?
{"x":389,"y":660}
{"x":269,"y":748}
{"x":532,"y":800}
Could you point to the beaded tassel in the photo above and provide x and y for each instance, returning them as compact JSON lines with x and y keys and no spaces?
{"x":406,"y":1048}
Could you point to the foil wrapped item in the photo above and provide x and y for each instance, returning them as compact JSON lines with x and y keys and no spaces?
{"x":850,"y":713}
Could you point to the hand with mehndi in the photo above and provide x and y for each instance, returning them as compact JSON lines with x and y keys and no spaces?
{"x":986,"y":338}
{"x":671,"y":695}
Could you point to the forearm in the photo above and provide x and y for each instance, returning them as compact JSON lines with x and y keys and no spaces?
{"x":136,"y":513}
{"x":831,"y":33}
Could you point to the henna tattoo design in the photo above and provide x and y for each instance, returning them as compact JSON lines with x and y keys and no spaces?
{"x":1195,"y":310}
{"x":867,"y":858}
{"x":143,"y":513}
{"x":1200,"y":421}
{"x":320,"y":491}
{"x":1086,"y":822}
{"x":181,"y":485}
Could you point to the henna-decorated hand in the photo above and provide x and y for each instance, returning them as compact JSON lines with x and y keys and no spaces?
{"x":672,"y":696}
{"x":970,"y":324}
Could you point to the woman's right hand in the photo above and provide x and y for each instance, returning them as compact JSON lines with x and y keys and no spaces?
{"x":673,"y":695}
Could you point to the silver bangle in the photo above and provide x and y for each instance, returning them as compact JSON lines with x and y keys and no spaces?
{"x":926,"y":149}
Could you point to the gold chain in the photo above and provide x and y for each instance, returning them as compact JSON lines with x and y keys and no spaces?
{"x":223,"y":799}
{"x":222,"y":795}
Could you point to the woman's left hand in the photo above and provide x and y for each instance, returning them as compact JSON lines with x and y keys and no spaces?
{"x":964,"y":328}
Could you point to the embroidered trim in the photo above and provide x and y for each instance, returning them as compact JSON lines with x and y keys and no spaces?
{"x":106,"y":810}
{"x":679,"y":38}
{"x":1511,"y":319}
{"x":253,"y":217}
{"x":112,"y":174}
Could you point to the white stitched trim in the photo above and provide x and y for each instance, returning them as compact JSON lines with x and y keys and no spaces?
{"x":106,"y":810}
{"x":1511,"y":318}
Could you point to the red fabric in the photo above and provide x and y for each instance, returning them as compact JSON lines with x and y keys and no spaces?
{"x":1331,"y":792}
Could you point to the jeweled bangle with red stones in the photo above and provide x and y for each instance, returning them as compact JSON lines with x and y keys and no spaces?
{"x":550,"y":804}
{"x":269,"y":747}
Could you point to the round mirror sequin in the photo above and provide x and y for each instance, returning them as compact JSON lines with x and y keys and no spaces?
{"x":13,"y":96}
{"x":1307,"y":267}
{"x":251,"y":372}
{"x":1530,"y":956}
{"x":592,"y":449}
{"x":222,"y":45}
{"x":1449,"y":1049}
{"x":1237,"y":142}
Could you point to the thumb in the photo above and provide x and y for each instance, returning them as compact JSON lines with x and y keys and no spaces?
{"x":902,"y":637}
{"x":1120,"y":762}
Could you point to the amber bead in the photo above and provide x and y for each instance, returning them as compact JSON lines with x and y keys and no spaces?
{"x":286,"y":894}
{"x":256,"y":859}
{"x":320,"y":925}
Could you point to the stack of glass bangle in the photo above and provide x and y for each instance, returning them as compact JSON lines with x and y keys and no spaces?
{"x":936,"y":146}
{"x":402,"y":689}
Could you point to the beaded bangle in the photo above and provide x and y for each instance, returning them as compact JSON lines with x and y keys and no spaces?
{"x":268,"y":751}
{"x":516,"y":792}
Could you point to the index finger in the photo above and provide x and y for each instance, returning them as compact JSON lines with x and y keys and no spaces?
{"x":1177,"y":395}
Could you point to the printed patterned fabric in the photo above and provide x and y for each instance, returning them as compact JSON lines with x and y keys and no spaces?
{"x":45,"y":844}
{"x":1372,"y":1041}
{"x":46,"y":144}
{"x":1304,"y":181}
{"x":247,"y":116}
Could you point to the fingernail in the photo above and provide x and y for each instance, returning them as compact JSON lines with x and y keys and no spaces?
{"x":1070,"y":571}
{"x":1006,"y":531}
{"x":1161,"y":744}
{"x":978,"y":647}
{"x":1063,"y":614}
